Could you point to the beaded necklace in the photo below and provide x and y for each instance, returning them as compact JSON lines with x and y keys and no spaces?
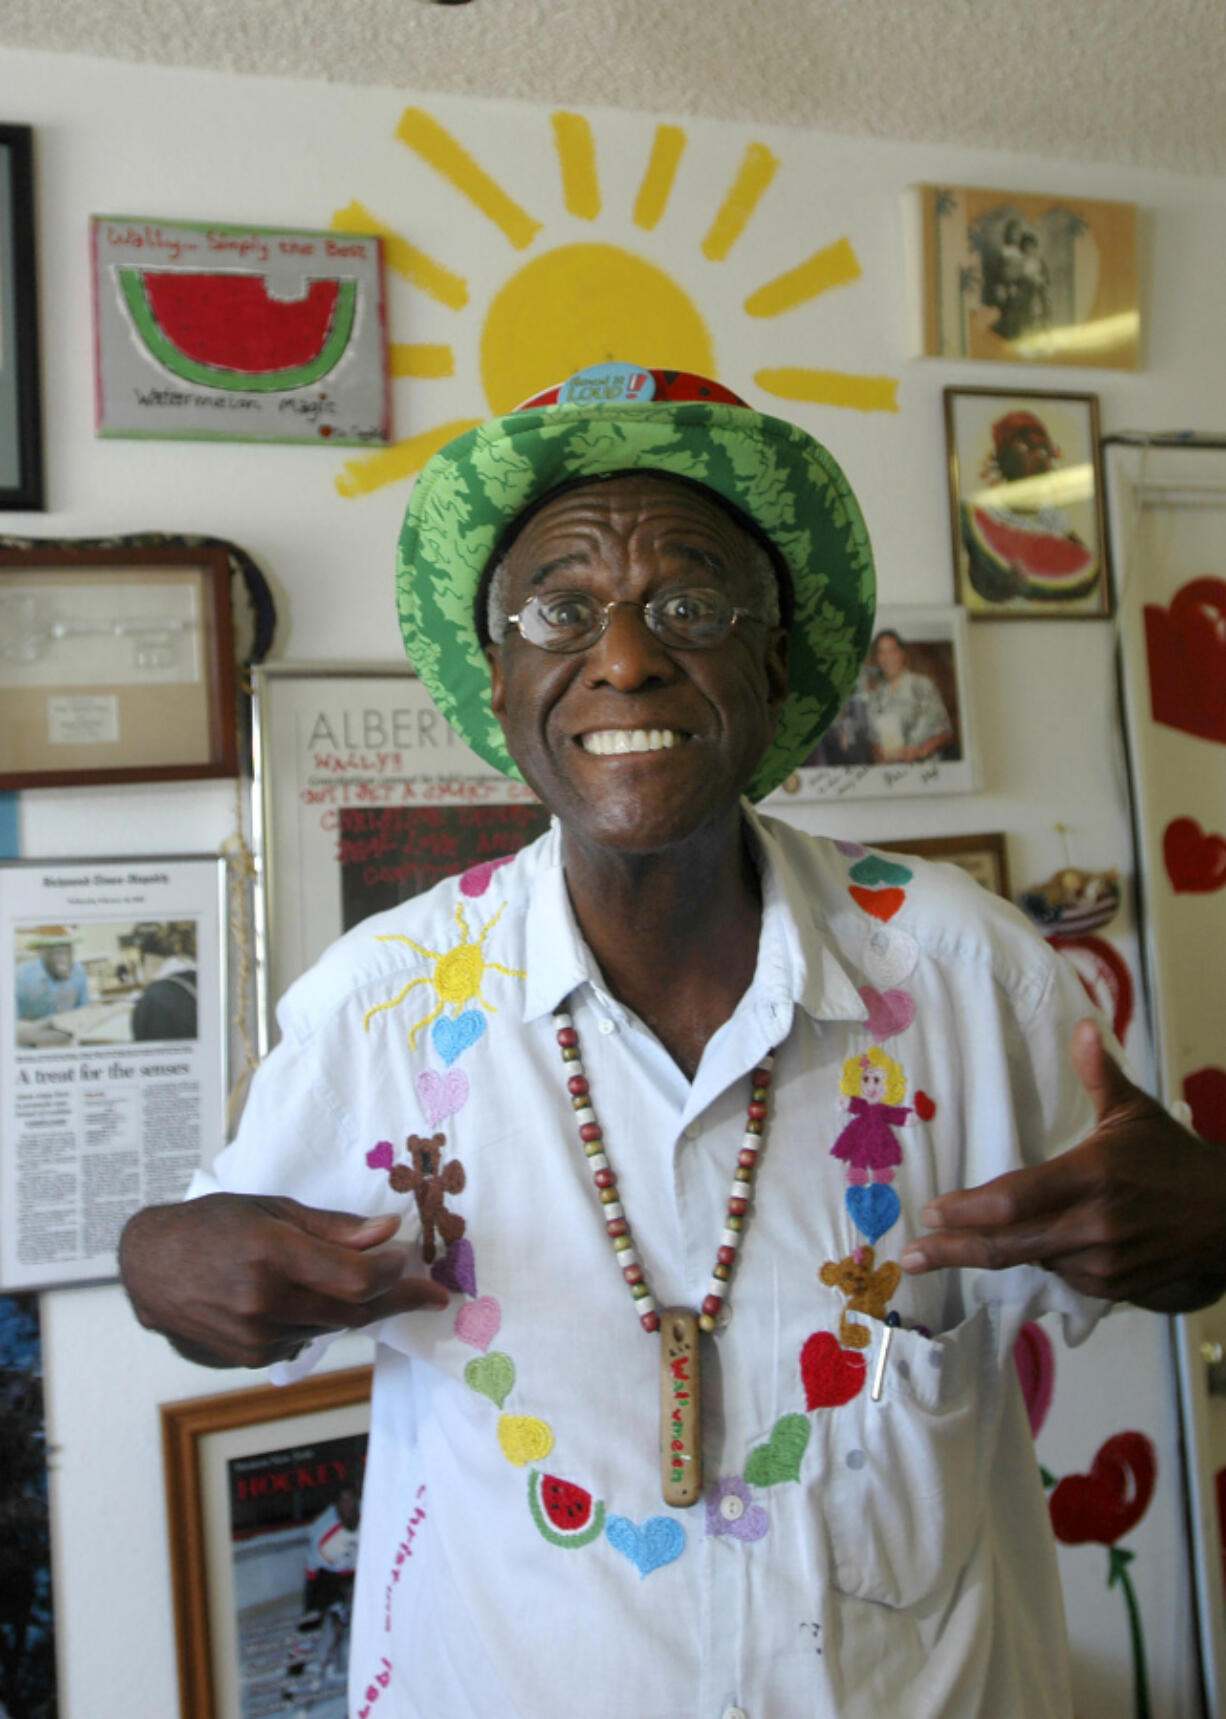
{"x":679,"y":1327}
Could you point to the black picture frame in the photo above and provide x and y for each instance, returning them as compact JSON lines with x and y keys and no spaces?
{"x":21,"y":452}
{"x":21,"y":430}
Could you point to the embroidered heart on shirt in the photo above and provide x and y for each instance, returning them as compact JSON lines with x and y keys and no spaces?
{"x":382,"y":1156}
{"x":890,"y":955}
{"x":889,"y":1012}
{"x":476,"y":880}
{"x":457,"y":1270}
{"x":925,"y":1107}
{"x":731,"y":1512}
{"x":441,"y":1095}
{"x":829,"y":1374}
{"x":779,"y":1458}
{"x":872,"y":870}
{"x":1195,"y":859}
{"x":478,"y":1322}
{"x":883,"y":904}
{"x":1104,"y":1504}
{"x":873,"y":1209}
{"x":853,"y":850}
{"x":492,"y":1376}
{"x":1035,"y":1361}
{"x":658,"y":1541}
{"x":522,"y":1438}
{"x":452,"y":1037}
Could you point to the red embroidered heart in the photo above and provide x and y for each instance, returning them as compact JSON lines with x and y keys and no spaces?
{"x":925,"y":1107}
{"x":883,"y":904}
{"x":1205,"y":1090}
{"x":830,"y":1375}
{"x":1195,"y":861}
{"x":1104,"y":1504}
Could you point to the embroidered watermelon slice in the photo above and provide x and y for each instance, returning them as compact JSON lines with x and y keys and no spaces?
{"x":565,"y":1513}
{"x":1007,"y":561}
{"x":222,"y":330}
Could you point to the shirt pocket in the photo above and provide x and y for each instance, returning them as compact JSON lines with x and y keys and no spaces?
{"x":906,"y":1476}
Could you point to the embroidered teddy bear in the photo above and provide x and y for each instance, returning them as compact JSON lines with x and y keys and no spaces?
{"x":431,"y":1181}
{"x":867,"y":1287}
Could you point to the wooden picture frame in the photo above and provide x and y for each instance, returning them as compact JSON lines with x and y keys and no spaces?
{"x":21,"y":455}
{"x":116,"y":665}
{"x":203,"y":1439}
{"x":983,"y":856}
{"x":1026,"y":513}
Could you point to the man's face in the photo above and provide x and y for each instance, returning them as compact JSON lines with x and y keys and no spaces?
{"x":891,"y":658}
{"x":347,"y":1508}
{"x":57,"y":960}
{"x":711,"y":713}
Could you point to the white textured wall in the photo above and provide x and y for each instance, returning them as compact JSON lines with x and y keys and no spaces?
{"x":193,"y":145}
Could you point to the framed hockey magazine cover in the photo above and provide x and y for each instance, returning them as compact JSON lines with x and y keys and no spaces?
{"x":263,"y":1492}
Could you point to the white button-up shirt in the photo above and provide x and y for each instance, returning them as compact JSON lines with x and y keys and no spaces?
{"x":850,"y":1556}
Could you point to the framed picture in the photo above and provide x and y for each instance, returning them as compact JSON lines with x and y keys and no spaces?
{"x":21,"y":457}
{"x":363,"y":796}
{"x":1026,"y":505}
{"x":116,"y":665}
{"x":263,"y":1487}
{"x":1025,"y":277}
{"x":208,"y":331}
{"x":113,"y":1041}
{"x":907,"y":725}
{"x":983,"y":856}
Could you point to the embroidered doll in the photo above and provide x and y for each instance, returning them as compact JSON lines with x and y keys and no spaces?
{"x":870,"y":1088}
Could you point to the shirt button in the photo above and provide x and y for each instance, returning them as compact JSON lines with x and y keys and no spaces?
{"x":732,"y":1508}
{"x":692,"y":1130}
{"x":734,"y":1713}
{"x":608,"y":1026}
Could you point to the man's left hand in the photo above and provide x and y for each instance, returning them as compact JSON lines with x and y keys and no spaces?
{"x":1135,"y":1212}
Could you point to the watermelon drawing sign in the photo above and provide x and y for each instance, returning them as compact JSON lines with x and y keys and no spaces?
{"x":1025,"y":491}
{"x":238,"y":333}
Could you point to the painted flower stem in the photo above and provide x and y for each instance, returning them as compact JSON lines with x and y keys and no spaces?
{"x":1119,"y":1560}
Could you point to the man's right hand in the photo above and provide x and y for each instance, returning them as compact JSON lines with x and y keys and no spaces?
{"x":242,"y":1280}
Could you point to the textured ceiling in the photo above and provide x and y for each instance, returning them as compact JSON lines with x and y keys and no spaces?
{"x":1127,"y":81}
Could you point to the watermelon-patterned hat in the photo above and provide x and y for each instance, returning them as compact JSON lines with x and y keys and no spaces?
{"x":624,"y":418}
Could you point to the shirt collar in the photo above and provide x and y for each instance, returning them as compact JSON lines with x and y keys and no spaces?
{"x":796,"y":963}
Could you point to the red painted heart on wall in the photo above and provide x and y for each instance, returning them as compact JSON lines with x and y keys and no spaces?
{"x":830,"y":1375}
{"x":1104,"y":1504}
{"x":1195,"y":860}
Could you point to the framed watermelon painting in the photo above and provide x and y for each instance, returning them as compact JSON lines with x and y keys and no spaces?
{"x":216,"y":332}
{"x":1026,"y":504}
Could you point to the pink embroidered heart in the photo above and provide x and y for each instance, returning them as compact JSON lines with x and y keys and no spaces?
{"x":476,"y":880}
{"x":889,"y":1012}
{"x":925,"y":1107}
{"x":382,"y":1156}
{"x":478,"y":1322}
{"x":441,"y":1095}
{"x":1035,"y":1360}
{"x":829,"y":1374}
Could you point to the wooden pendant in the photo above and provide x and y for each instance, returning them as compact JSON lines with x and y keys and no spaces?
{"x":680,"y":1408}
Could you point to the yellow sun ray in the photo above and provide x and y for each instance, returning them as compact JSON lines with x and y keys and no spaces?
{"x":831,"y":388}
{"x":420,"y":360}
{"x":834,"y":266}
{"x":416,"y":267}
{"x":755,"y":173}
{"x":576,"y":150}
{"x":423,"y":134}
{"x":658,"y":176}
{"x":371,"y":471}
{"x":456,"y":975}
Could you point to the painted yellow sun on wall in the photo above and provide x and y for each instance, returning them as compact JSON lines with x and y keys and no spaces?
{"x":604,"y":301}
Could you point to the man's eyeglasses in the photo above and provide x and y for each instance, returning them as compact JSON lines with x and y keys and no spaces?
{"x":688,"y":620}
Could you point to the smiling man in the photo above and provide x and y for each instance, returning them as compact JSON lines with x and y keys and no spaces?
{"x":652,"y":1110}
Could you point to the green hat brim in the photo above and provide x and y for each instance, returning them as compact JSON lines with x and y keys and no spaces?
{"x":787,"y":483}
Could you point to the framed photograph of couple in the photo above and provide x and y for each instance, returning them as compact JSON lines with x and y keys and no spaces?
{"x":21,"y":460}
{"x":1026,"y":505}
{"x":263,"y":1497}
{"x":907,"y":726}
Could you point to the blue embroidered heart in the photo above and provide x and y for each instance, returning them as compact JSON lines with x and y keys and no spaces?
{"x":873,"y":870}
{"x":451,"y":1037}
{"x":657,"y":1542}
{"x":873,"y":1208}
